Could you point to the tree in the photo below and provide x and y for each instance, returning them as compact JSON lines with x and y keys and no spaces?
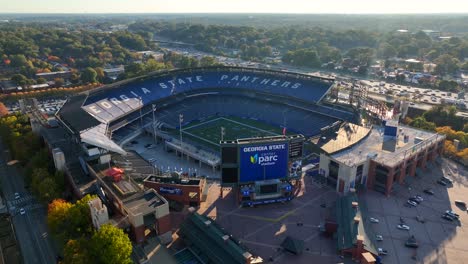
{"x":207,"y":61}
{"x":110,"y":245}
{"x":57,"y":216}
{"x":421,"y":122}
{"x":18,"y":61}
{"x":59,"y":82}
{"x":386,"y":51}
{"x":446,"y":64}
{"x":99,"y":74}
{"x":88,"y":75}
{"x":20,"y":79}
{"x":3,"y":110}
{"x":450,"y":86}
{"x":41,"y":80}
{"x":76,"y":252}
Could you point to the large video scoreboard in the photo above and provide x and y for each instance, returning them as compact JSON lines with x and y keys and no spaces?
{"x":260,"y":159}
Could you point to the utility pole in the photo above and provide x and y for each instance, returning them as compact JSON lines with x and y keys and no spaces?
{"x":181,"y":119}
{"x":154,"y":125}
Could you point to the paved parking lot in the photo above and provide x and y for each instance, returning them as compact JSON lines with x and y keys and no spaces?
{"x":262,"y":229}
{"x":440,"y":241}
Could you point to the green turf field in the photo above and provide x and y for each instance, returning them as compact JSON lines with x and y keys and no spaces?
{"x":208,"y":132}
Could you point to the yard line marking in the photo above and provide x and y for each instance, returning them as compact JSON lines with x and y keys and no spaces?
{"x":203,"y":123}
{"x":256,"y":128}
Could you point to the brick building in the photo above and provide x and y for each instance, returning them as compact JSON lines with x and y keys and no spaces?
{"x":188,"y":191}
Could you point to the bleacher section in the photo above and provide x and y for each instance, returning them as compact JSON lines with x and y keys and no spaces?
{"x":307,"y":121}
{"x":111,"y":104}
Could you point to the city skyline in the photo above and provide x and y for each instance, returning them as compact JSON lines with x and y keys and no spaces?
{"x":240,"y":6}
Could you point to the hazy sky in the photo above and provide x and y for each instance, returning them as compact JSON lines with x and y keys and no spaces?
{"x":234,"y":6}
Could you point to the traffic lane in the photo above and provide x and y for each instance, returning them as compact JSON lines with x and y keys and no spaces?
{"x":28,"y":245}
{"x":42,"y":233}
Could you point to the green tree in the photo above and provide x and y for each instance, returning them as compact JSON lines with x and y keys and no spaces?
{"x":19,"y":61}
{"x":421,"y":122}
{"x":207,"y":61}
{"x":446,"y":64}
{"x":41,"y":80}
{"x":20,"y":79}
{"x":88,"y":75}
{"x":386,"y":50}
{"x":76,"y":252}
{"x":110,"y":245}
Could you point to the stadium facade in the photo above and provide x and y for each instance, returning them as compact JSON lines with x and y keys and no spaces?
{"x":186,"y":109}
{"x":241,"y":122}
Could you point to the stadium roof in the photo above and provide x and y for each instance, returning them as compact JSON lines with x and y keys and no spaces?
{"x":211,"y":242}
{"x":348,"y":227}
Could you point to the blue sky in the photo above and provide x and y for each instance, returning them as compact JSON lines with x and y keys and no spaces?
{"x":234,"y":6}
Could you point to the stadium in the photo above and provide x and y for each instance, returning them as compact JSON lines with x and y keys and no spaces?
{"x":221,"y":138}
{"x":198,"y":113}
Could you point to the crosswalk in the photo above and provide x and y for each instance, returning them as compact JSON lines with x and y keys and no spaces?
{"x":20,"y":201}
{"x":26,"y":202}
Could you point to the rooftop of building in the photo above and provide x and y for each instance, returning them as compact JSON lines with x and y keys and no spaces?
{"x":174,"y":180}
{"x":346,"y":136}
{"x":212,"y":243}
{"x":130,"y":193}
{"x":59,"y":138}
{"x":387,"y":150}
{"x":351,"y":224}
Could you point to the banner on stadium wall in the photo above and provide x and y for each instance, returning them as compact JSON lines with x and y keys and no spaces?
{"x":263,"y":162}
{"x":170,"y":190}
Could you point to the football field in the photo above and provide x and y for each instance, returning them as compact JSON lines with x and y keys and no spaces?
{"x":209,"y":131}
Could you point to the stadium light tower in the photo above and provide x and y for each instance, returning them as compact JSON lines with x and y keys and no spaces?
{"x":181,"y":119}
{"x":223,"y":131}
{"x":154,"y":125}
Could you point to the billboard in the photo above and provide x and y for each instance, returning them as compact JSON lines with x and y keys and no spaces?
{"x":263,"y":162}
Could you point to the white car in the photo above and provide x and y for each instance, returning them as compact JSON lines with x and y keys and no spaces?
{"x":22,"y":211}
{"x":403,"y":227}
{"x":374,"y":220}
{"x":379,"y":237}
{"x":17,"y":196}
{"x":382,"y":251}
{"x":411,"y":203}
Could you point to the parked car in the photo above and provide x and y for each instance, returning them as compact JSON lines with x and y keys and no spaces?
{"x":447,"y":179}
{"x":22,"y":211}
{"x":419,"y":198}
{"x":420,"y":219}
{"x":447,"y":217}
{"x":379,"y":237}
{"x":374,"y":220}
{"x":412,"y":203}
{"x":414,"y":200}
{"x":411,"y":242}
{"x":403,"y":227}
{"x":382,"y":251}
{"x":17,"y":196}
{"x":441,"y":182}
{"x":429,"y":191}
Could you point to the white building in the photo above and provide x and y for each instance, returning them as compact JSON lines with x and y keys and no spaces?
{"x":99,"y":214}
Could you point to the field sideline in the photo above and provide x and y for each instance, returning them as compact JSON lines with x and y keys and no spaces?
{"x":208,"y":132}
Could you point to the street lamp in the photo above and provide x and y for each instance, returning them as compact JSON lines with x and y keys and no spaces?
{"x":154,"y":125}
{"x":181,"y":119}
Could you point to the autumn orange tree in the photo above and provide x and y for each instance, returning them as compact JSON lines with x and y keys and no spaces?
{"x":3,"y":110}
{"x":70,"y":221}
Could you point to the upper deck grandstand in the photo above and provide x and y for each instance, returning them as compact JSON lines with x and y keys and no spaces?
{"x":244,"y":102}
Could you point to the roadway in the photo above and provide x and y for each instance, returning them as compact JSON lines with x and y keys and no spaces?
{"x":31,"y":228}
